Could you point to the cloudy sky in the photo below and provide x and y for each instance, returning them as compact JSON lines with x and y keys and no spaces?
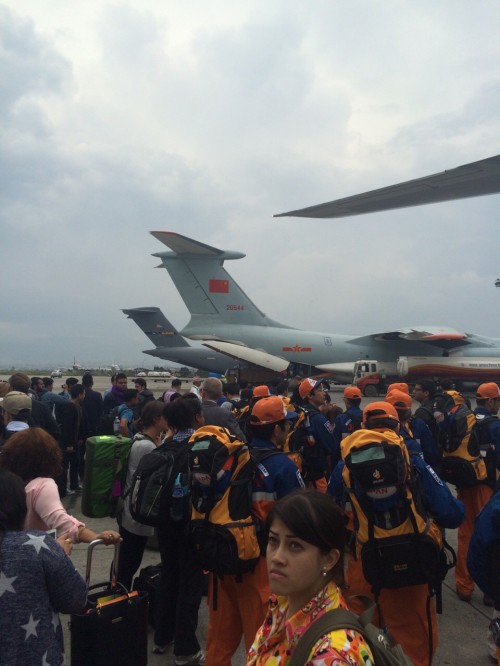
{"x":205,"y":118}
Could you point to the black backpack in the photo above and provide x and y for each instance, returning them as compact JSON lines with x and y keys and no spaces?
{"x":159,"y":491}
{"x":301,"y":441}
{"x":105,"y":425}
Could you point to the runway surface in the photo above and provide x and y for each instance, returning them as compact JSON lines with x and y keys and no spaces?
{"x":462,"y":627}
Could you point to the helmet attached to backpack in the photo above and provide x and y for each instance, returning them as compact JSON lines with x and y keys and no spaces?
{"x":222,"y":531}
{"x":397,"y":541}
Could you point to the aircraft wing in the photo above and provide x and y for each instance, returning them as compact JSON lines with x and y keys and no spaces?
{"x":249,"y":355}
{"x":469,"y":180}
{"x":444,"y":338}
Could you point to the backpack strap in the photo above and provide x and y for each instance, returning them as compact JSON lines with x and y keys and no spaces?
{"x":333,"y":620}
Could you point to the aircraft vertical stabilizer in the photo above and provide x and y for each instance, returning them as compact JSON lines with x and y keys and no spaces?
{"x":156,"y":326}
{"x":207,"y":289}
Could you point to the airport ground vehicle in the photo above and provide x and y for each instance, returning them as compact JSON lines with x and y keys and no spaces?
{"x":56,"y":373}
{"x":372,"y":377}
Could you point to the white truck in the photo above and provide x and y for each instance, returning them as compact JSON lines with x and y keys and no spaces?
{"x":372,"y":377}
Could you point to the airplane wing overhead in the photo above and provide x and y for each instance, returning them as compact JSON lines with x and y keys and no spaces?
{"x":469,"y":180}
{"x":444,"y":338}
{"x":249,"y":355}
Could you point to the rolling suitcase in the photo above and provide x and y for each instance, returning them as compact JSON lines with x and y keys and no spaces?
{"x":113,"y":629}
{"x":105,"y":468}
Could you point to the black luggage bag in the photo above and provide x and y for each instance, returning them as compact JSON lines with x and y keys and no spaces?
{"x":113,"y":630}
{"x":148,"y":581}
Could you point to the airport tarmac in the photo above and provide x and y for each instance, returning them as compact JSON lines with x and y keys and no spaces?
{"x":462,"y":626}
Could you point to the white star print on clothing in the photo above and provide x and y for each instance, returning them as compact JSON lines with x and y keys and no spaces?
{"x":30,"y":627}
{"x":6,"y":583}
{"x":38,"y":542}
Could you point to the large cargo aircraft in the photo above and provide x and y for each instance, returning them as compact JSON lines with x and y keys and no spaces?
{"x":230,"y":326}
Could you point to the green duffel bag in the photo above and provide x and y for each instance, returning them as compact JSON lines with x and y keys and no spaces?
{"x":105,"y":471}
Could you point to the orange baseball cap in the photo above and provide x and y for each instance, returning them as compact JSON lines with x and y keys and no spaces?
{"x":307,"y":386}
{"x":270,"y":410}
{"x":399,"y":386}
{"x":261,"y":391}
{"x":399,"y":399}
{"x":488,"y":390}
{"x":380,"y":410}
{"x":352,"y":393}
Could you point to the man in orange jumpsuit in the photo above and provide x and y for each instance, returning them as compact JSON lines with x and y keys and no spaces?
{"x":242,"y":602}
{"x":488,"y":404}
{"x":405,"y":611}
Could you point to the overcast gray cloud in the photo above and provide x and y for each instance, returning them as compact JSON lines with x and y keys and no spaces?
{"x":123,"y":117}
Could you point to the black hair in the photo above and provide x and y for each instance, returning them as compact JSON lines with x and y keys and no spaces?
{"x":447,"y":384}
{"x":428,"y":385}
{"x":120,"y":375}
{"x":71,"y":381}
{"x":34,"y":381}
{"x":151,"y":411}
{"x":176,"y":382}
{"x":296,"y":398}
{"x":281,"y":387}
{"x":353,"y":402}
{"x":13,"y":507}
{"x":140,"y":381}
{"x":388,"y":423}
{"x":314,"y":517}
{"x":181,"y":414}
{"x":47,"y":381}
{"x":246,"y":394}
{"x":76,"y":390}
{"x":87,"y":380}
{"x":231,"y":388}
{"x":264,"y":431}
{"x":129,"y":394}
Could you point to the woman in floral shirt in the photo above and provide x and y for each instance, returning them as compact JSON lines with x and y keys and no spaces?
{"x":305,"y":557}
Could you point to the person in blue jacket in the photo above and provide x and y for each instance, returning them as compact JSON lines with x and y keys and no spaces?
{"x":320,"y":454}
{"x":446,"y":510}
{"x":415,"y":432}
{"x":350,"y":420}
{"x":242,"y":600}
{"x":488,"y":405}
{"x":483,"y":558}
{"x":406,"y":611}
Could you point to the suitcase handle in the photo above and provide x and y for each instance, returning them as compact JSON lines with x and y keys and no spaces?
{"x":114,"y":568}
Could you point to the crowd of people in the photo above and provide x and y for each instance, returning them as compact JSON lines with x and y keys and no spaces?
{"x":317,"y":509}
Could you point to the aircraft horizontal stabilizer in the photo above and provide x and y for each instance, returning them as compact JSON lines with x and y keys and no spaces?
{"x":470,"y":180}
{"x":254,"y":356}
{"x":185,"y":247}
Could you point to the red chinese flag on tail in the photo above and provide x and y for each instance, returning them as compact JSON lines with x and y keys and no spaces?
{"x":218,"y":286}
